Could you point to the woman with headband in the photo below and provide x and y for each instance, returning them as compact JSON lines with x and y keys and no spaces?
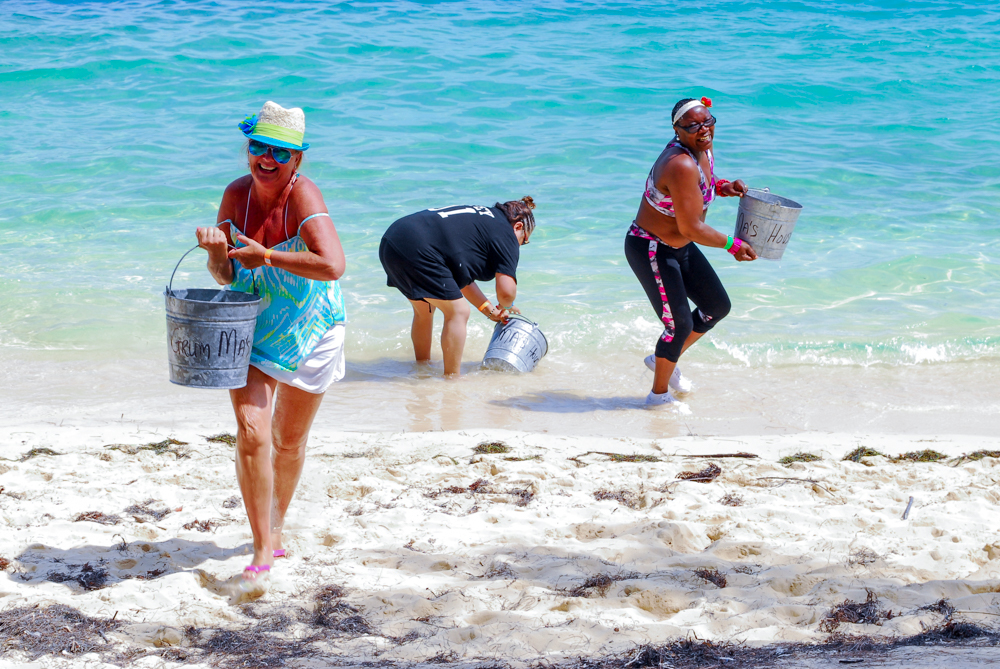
{"x":659,"y":248}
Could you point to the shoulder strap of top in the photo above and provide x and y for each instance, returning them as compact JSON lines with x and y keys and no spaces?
{"x":701,"y":172}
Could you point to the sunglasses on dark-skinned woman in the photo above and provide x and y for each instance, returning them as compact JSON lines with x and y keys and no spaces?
{"x":695,"y":127}
{"x":281,"y":156}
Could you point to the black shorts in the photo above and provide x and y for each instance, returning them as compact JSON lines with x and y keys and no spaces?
{"x":416,"y":275}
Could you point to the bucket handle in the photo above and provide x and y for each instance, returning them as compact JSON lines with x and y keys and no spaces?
{"x":170,"y":285}
{"x":522,"y":317}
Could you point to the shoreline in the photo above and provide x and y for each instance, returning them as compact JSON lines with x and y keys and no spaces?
{"x":560,"y":546}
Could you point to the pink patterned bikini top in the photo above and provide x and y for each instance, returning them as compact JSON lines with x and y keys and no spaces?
{"x":662,"y":203}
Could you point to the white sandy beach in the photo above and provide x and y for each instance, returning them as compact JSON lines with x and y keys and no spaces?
{"x":496,"y":574}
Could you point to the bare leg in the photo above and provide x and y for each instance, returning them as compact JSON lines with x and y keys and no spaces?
{"x":665,"y":368}
{"x":456,"y":319}
{"x":294,"y":411}
{"x":252,"y":405}
{"x":422,"y":330}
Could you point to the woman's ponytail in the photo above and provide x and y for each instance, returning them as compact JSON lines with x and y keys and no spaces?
{"x":519,"y":211}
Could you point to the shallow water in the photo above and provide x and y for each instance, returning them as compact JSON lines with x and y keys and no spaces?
{"x":883,"y":315}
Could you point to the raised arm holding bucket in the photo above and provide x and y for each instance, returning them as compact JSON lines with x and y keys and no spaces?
{"x":659,"y":248}
{"x":276,"y":238}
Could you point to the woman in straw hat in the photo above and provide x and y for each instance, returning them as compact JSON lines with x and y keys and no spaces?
{"x":275,"y":236}
{"x":659,"y":248}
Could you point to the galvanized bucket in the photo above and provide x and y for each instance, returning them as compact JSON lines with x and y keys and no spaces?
{"x":516,"y":346}
{"x":209,"y":335}
{"x":766,"y":222}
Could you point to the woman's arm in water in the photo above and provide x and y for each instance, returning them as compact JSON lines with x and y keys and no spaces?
{"x":478,"y":299}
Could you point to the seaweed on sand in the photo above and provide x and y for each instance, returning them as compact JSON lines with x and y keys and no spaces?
{"x":333,"y":613}
{"x":731,"y":500}
{"x":976,"y":455}
{"x":157,"y":447}
{"x":712,"y":575}
{"x":88,"y":578}
{"x":926,"y":455}
{"x":688,"y":654}
{"x":203,"y":525}
{"x":222,"y":438}
{"x":863,"y":557}
{"x":626,"y":498}
{"x":799,"y":457}
{"x":98,"y":517}
{"x":145,"y":509}
{"x":54,"y":630}
{"x":861,"y":452}
{"x":491,"y":447}
{"x":601,"y":583}
{"x":709,"y":473}
{"x":869,"y":612}
{"x":35,"y":452}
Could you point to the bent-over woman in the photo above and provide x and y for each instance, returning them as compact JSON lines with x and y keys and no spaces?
{"x":275,"y":236}
{"x":434,"y":258}
{"x":662,"y":245}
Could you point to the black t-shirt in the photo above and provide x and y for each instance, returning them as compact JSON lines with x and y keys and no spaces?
{"x":474,"y":243}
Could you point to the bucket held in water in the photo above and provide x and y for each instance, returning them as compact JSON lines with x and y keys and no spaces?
{"x":766,"y":221}
{"x":209,"y":335}
{"x":516,"y":346}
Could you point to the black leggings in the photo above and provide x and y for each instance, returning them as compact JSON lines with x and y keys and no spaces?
{"x":670,"y":276}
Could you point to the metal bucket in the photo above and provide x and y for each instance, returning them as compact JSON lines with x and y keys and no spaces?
{"x":209,"y":335}
{"x":516,"y":346}
{"x":766,"y":222}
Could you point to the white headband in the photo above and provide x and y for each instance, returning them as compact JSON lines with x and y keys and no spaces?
{"x":685,"y":108}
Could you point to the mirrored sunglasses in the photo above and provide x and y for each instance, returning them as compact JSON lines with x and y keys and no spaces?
{"x":280,"y":155}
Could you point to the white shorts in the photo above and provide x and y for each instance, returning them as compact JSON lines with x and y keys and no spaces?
{"x":320,"y":369}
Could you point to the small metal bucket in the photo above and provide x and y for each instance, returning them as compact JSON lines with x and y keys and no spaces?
{"x":209,"y":335}
{"x":766,"y":222}
{"x":516,"y":346}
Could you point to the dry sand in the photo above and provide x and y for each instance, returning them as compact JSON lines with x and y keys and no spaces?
{"x":397,"y":554}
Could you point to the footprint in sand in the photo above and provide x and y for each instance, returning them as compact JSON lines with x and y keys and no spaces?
{"x":233,"y":588}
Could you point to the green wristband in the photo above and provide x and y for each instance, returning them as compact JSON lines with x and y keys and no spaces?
{"x":729,"y":242}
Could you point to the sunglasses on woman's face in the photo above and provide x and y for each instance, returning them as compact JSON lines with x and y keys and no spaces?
{"x":280,"y":156}
{"x":694,"y":127}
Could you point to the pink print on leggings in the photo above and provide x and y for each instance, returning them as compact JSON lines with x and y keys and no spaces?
{"x":668,"y":316}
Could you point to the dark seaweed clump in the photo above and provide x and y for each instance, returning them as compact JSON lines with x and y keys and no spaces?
{"x":491,"y":447}
{"x":799,"y":457}
{"x":862,"y":452}
{"x":709,"y":473}
{"x":926,"y":455}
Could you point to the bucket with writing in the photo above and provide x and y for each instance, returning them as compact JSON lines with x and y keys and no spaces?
{"x":209,"y":335}
{"x":516,"y":346}
{"x":766,"y":222}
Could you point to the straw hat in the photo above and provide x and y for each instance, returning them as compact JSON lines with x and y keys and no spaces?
{"x":277,"y":126}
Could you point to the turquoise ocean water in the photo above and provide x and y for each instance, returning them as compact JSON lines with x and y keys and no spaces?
{"x":118,"y":122}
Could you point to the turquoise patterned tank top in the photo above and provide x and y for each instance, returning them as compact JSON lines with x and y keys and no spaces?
{"x":295,"y":312}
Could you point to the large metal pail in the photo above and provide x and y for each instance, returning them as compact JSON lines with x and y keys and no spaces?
{"x":766,"y":222}
{"x":209,"y":335}
{"x":516,"y":346}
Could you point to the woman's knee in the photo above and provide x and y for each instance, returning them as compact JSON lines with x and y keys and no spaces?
{"x":253,"y":425}
{"x":709,"y":317}
{"x":290,"y":439}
